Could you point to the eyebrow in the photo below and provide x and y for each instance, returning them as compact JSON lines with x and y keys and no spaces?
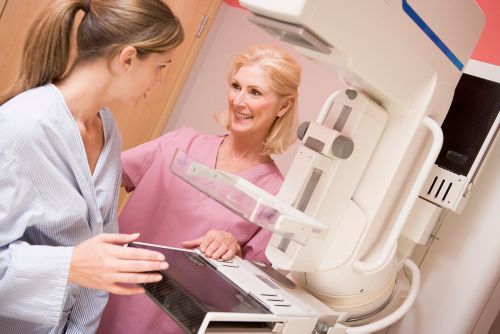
{"x":256,"y":87}
{"x":251,"y":86}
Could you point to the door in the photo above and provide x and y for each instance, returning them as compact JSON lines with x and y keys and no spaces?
{"x":2,"y":6}
{"x":16,"y":16}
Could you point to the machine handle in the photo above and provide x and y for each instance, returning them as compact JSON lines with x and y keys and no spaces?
{"x":389,"y":248}
{"x":326,"y":107}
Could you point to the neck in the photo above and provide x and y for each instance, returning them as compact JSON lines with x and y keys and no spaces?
{"x":236,"y":154}
{"x":84,"y":90}
{"x":251,"y":147}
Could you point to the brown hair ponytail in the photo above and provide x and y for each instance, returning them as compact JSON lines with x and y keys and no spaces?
{"x":107,"y":27}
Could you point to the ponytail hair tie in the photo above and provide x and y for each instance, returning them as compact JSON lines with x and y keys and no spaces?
{"x":86,"y":6}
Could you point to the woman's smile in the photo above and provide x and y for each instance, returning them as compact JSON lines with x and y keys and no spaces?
{"x":242,"y":115}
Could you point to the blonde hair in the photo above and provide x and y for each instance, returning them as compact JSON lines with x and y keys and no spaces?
{"x":284,"y":72}
{"x":107,"y":26}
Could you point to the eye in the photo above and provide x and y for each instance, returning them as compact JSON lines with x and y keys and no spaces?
{"x":255,"y":92}
{"x":235,"y":86}
{"x":164,"y":64}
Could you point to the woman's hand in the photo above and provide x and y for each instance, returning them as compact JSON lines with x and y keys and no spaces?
{"x":216,"y":245}
{"x":103,"y":263}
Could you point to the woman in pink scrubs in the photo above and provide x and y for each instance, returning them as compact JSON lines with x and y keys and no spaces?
{"x":261,"y":120}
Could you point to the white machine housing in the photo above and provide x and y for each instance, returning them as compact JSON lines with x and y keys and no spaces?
{"x":403,"y":59}
{"x":378,"y":49}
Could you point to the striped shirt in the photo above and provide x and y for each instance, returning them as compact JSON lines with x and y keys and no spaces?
{"x":49,"y":202}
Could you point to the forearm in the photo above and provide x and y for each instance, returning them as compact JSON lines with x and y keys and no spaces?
{"x":33,"y":282}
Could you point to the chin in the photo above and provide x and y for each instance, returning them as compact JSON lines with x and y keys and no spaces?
{"x":243,"y":125}
{"x":240,"y":128}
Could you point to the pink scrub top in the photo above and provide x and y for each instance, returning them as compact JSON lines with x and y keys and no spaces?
{"x":166,"y":210}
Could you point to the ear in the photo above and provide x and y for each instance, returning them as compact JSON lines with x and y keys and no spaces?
{"x":126,"y":57}
{"x":285,"y":106}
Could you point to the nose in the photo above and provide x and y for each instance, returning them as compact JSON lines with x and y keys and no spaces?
{"x":239,"y":98}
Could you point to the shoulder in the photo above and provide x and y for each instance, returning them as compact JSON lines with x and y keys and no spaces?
{"x":187,"y":133}
{"x":267,"y":176}
{"x":186,"y":137}
{"x":24,"y":117}
{"x":276,"y":178}
{"x":32,"y":102}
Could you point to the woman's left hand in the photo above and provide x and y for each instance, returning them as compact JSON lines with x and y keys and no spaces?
{"x":216,"y":245}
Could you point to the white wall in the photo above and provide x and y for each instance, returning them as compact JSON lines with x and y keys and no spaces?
{"x":204,"y":93}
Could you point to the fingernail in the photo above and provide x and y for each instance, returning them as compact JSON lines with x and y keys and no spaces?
{"x":164,"y":265}
{"x":135,"y":235}
{"x":160,"y":257}
{"x":158,"y":278}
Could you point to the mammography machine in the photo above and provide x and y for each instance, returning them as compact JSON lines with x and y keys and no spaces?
{"x":364,"y":188}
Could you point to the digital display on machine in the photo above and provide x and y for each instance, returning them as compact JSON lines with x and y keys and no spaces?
{"x":192,"y":287}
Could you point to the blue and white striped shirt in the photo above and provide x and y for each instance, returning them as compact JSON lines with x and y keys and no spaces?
{"x":49,"y":202}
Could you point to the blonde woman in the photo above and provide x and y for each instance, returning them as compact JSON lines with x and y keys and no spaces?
{"x":60,"y":162}
{"x":261,"y":120}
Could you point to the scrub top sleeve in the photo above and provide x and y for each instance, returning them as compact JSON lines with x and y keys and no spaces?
{"x":136,"y":161}
{"x":33,"y":279}
{"x":255,"y":248}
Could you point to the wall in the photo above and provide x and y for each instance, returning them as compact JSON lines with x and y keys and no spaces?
{"x":488,"y":47}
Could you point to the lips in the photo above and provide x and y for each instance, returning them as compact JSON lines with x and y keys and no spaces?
{"x":242,"y":116}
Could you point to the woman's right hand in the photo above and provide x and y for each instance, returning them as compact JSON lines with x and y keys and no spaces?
{"x":103,"y":263}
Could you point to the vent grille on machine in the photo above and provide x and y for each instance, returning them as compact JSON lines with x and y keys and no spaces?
{"x":440,"y":188}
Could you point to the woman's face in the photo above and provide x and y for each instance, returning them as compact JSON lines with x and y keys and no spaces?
{"x":253,"y":104}
{"x":143,"y":75}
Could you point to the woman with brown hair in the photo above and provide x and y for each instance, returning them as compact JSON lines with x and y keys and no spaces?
{"x":60,"y":162}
